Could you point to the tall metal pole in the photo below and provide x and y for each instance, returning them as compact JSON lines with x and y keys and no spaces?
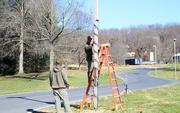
{"x":175,"y":58}
{"x":155,"y":56}
{"x":95,"y":53}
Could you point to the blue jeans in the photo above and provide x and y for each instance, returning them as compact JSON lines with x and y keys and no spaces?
{"x":61,"y":95}
{"x":89,"y":70}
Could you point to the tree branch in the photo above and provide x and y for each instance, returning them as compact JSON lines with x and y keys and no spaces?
{"x":13,"y":48}
{"x":10,"y":42}
{"x":61,"y":31}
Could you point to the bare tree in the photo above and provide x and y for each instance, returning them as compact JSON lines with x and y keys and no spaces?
{"x":15,"y":24}
{"x":55,"y":22}
{"x":117,"y":40}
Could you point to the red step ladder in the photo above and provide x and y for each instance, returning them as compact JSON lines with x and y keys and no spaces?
{"x":104,"y":57}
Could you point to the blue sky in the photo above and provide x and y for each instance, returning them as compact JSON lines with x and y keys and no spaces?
{"x":127,"y":13}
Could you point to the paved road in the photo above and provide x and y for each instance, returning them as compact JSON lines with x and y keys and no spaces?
{"x":20,"y":103}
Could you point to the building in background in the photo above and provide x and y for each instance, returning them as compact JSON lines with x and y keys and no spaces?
{"x":177,"y":57}
{"x":131,"y":60}
{"x":151,"y":57}
{"x":134,"y":61}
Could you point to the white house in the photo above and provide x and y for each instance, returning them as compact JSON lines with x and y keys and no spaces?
{"x":177,"y":57}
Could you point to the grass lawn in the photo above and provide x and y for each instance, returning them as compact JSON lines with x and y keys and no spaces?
{"x":25,"y":83}
{"x":168,"y":72}
{"x":157,"y":66}
{"x":40,"y":81}
{"x":159,"y":100}
{"x":79,"y":78}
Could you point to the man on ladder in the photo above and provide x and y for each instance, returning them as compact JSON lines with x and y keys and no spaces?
{"x":104,"y":57}
{"x":89,"y":53}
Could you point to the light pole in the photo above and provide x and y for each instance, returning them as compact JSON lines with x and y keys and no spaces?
{"x":95,"y":53}
{"x":174,"y":58}
{"x":155,"y":56}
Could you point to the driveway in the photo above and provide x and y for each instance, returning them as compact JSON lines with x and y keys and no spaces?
{"x":137,"y":79}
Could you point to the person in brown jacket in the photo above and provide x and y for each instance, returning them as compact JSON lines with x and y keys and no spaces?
{"x":59,"y":83}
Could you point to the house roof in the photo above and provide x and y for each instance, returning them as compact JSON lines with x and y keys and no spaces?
{"x":178,"y":54}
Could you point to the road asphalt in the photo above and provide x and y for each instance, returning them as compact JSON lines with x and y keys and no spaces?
{"x":137,"y":79}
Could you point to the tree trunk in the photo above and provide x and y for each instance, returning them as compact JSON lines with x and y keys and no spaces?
{"x":51,"y":58}
{"x":51,"y":43}
{"x":21,"y":68}
{"x":79,"y":60}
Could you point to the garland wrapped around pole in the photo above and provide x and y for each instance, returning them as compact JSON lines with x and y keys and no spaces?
{"x":95,"y":53}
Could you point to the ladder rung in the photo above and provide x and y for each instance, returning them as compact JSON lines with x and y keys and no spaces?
{"x":90,"y":94}
{"x":113,"y":71}
{"x":110,"y":62}
{"x":117,"y":96}
{"x":114,"y":79}
{"x":115,"y":87}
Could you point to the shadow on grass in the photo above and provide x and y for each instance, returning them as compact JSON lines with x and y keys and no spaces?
{"x":32,"y":111}
{"x":39,"y":112}
{"x":172,"y":69}
{"x":30,"y":99}
{"x":74,"y":106}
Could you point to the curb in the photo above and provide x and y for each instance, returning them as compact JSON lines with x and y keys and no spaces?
{"x":156,"y":87}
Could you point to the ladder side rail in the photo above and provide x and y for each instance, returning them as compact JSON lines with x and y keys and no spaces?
{"x":104,"y":57}
{"x":118,"y":90}
{"x":110,"y":81}
{"x":86,"y":92}
{"x":101,"y":56}
{"x":101,"y":59}
{"x":116,"y":81}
